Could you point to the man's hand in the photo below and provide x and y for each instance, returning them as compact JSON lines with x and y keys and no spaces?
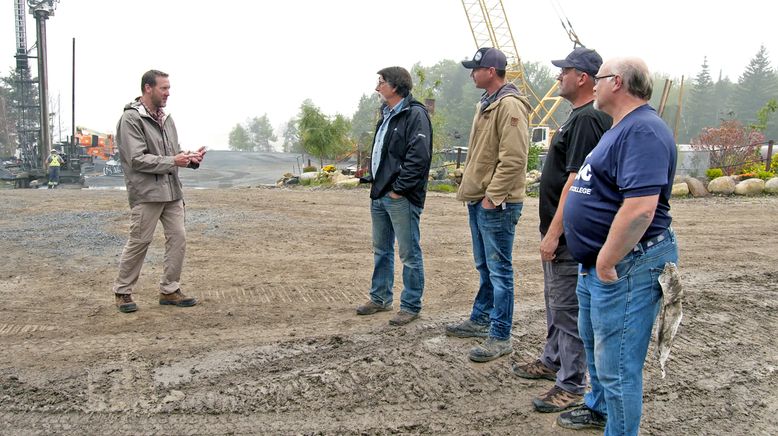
{"x":182,"y":159}
{"x":548,"y":248}
{"x":394,"y":196}
{"x":486,"y":203}
{"x":606,"y":273}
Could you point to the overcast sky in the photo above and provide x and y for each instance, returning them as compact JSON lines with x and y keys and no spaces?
{"x":231,"y":60}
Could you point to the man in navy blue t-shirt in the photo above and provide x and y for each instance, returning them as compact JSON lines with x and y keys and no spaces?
{"x":617,"y":225}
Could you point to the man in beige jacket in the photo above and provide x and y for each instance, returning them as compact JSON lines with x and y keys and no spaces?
{"x":493,"y":185}
{"x":150,"y":155}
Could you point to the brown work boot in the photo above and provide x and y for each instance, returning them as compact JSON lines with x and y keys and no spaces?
{"x":124,"y":303}
{"x":557,"y":400}
{"x":177,"y":299}
{"x":534,"y":370}
{"x":403,"y":318}
{"x":370,"y":308}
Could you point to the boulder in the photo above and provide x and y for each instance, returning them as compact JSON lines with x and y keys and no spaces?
{"x":347,"y":183}
{"x":771,"y":186}
{"x":309,"y":176}
{"x":750,"y":187}
{"x":696,"y":187}
{"x":533,"y":177}
{"x":679,"y":179}
{"x":680,"y":190}
{"x":722,"y":185}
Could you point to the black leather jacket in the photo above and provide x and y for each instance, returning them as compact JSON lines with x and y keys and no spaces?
{"x":406,"y":155}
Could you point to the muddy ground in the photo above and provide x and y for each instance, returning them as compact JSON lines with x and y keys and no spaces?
{"x":275,"y":347}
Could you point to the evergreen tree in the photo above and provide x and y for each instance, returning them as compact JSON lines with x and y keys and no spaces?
{"x":755,"y":88}
{"x":700,"y":109}
{"x":722,"y":98}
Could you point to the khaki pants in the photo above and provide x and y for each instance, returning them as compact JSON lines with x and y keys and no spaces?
{"x":143,"y":222}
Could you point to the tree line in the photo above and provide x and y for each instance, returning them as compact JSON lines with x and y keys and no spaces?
{"x":705,"y":104}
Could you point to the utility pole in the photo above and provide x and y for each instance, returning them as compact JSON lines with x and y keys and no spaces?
{"x":42,"y":10}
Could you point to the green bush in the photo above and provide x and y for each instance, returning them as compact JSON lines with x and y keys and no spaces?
{"x":713,"y":173}
{"x":765,"y":175}
{"x":310,"y":169}
{"x":443,"y":188}
{"x":533,"y":158}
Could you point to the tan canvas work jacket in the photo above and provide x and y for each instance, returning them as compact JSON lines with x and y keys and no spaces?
{"x":496,"y":164}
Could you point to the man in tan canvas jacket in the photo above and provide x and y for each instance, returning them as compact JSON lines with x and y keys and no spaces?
{"x":493,"y":185}
{"x":150,"y":156}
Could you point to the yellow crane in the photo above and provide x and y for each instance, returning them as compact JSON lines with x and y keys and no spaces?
{"x":490,"y":28}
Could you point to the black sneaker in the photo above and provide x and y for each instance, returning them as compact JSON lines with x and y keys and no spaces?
{"x":580,"y":418}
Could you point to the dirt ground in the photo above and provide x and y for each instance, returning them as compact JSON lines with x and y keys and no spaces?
{"x":274,"y":347}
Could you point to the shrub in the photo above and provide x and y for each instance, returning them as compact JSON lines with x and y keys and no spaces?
{"x":533,"y":158}
{"x":310,"y":169}
{"x":713,"y":173}
{"x":442,"y":187}
{"x":756,"y":169}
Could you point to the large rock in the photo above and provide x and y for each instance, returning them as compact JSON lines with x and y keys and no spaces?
{"x":309,"y":176}
{"x":696,"y":187}
{"x":532,"y":176}
{"x":678,"y":179}
{"x":722,"y":185}
{"x":771,"y":186}
{"x":750,"y":187}
{"x":347,"y":183}
{"x":680,"y":190}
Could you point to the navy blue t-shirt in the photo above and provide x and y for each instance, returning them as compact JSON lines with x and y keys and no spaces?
{"x":635,"y":158}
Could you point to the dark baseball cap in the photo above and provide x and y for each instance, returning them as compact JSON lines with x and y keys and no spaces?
{"x":487,"y":57}
{"x":582,"y":59}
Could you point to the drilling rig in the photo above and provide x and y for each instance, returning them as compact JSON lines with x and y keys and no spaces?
{"x":32,"y":121}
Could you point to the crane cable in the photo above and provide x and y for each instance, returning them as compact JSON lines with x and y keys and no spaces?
{"x":568,"y":27}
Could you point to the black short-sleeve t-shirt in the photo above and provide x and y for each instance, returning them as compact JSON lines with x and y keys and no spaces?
{"x":569,"y":147}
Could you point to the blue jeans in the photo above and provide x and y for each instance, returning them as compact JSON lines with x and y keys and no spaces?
{"x":396,"y":218}
{"x":492,"y":231}
{"x":615,"y":321}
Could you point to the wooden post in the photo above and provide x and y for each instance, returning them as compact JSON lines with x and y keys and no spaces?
{"x":678,"y":112}
{"x":459,"y":156}
{"x":769,"y":161}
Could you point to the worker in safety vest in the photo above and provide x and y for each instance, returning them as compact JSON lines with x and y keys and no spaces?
{"x":54,"y":161}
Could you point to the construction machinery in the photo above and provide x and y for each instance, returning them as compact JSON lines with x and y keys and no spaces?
{"x":490,"y":28}
{"x":96,"y":144}
{"x":32,"y":115}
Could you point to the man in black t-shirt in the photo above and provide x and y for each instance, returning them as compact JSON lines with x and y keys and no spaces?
{"x":563,"y":360}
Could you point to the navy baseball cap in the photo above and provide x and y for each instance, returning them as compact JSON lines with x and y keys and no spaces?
{"x":582,"y":59}
{"x":487,"y":57}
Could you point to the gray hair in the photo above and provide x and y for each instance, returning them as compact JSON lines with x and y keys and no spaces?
{"x":634,"y":74}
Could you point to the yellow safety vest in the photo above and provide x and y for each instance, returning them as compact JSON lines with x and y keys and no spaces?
{"x":55,"y":161}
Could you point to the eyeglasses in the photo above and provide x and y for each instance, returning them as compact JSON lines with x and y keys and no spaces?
{"x":607,"y":76}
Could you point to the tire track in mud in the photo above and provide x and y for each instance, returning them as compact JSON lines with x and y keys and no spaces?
{"x":14,"y":329}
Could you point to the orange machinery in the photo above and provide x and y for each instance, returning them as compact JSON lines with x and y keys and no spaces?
{"x":96,"y":144}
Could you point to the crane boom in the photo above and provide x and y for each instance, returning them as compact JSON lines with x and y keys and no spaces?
{"x":490,"y":28}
